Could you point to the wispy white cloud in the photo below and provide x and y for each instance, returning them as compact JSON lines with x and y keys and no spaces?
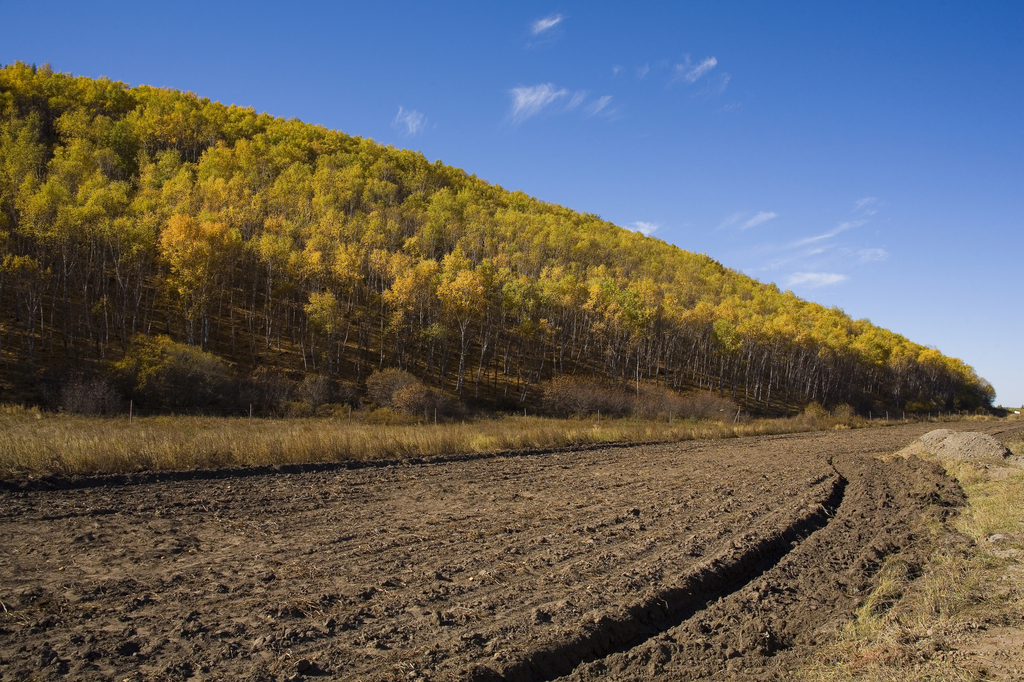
{"x":577,"y":99}
{"x":715,"y":85}
{"x":868,"y":255}
{"x":691,"y":73}
{"x":547,"y":23}
{"x":867,"y":206}
{"x":529,"y":101}
{"x":616,"y":70}
{"x":761,"y":217}
{"x":597,"y":106}
{"x":732,"y":220}
{"x":744,"y":221}
{"x":642,"y":72}
{"x":787,"y":260}
{"x":645,"y":228}
{"x":842,"y":227}
{"x":815,"y":279}
{"x":411,"y":121}
{"x":818,"y":260}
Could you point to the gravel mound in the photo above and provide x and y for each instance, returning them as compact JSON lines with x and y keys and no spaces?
{"x":960,"y":445}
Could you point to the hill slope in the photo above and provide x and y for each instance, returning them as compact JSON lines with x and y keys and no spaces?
{"x":276,"y":244}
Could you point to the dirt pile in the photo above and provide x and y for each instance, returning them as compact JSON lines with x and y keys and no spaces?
{"x":961,"y":445}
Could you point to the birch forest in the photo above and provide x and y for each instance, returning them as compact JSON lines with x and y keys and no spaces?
{"x":135,"y":220}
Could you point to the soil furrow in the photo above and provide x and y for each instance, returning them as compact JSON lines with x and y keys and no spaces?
{"x":751,"y":556}
{"x":760,"y":632}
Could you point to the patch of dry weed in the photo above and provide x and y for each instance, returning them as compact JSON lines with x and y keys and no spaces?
{"x":917,"y":624}
{"x":34,"y":443}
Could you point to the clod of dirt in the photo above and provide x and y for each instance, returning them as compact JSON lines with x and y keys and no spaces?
{"x":540,"y":616}
{"x":29,"y":595}
{"x":303,"y":665}
{"x":960,"y":445}
{"x":128,"y":647}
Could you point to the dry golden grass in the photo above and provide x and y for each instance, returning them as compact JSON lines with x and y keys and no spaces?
{"x":997,"y":501}
{"x":35,"y":443}
{"x":911,"y":627}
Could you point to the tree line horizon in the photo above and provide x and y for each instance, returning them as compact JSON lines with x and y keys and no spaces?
{"x":128,"y":213}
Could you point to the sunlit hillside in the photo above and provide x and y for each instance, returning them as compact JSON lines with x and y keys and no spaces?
{"x":274,"y":250}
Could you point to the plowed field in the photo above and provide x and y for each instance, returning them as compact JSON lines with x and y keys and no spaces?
{"x":725,"y":559}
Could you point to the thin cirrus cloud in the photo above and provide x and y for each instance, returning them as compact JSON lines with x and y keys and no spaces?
{"x":411,"y":121}
{"x":815,"y":279}
{"x":788,"y":259}
{"x":577,"y":99}
{"x":841,"y":227}
{"x":597,"y":106}
{"x":731,"y":220}
{"x":530,"y":101}
{"x":867,"y":205}
{"x":642,"y":72}
{"x":869,"y":255}
{"x":547,"y":23}
{"x":818,"y":260}
{"x":691,"y":73}
{"x":741,"y":220}
{"x":716,"y":85}
{"x":761,"y":217}
{"x":645,"y":228}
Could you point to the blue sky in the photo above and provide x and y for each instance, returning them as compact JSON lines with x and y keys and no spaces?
{"x":867,"y":155}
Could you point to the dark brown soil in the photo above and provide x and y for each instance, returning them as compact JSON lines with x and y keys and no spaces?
{"x":721,"y":560}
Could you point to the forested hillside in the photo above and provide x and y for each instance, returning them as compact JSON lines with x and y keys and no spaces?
{"x":128,"y":213}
